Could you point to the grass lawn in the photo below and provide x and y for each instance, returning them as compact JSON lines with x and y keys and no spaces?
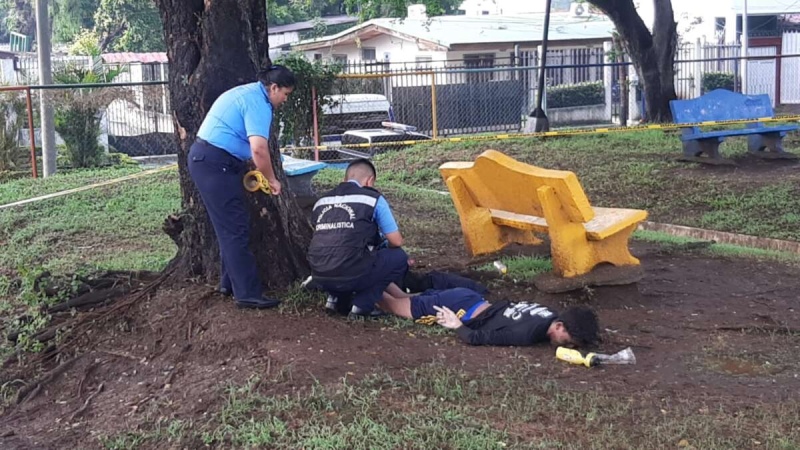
{"x":25,"y":188}
{"x":111,"y":227}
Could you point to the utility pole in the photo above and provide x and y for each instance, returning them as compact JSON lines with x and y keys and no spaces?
{"x":745,"y":48}
{"x":45,"y":77}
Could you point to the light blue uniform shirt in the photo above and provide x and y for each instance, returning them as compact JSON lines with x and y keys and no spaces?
{"x":236,"y":115}
{"x":382,"y":215}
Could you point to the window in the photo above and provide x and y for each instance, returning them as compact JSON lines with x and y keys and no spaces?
{"x":424,"y":62}
{"x":368,"y":54}
{"x":317,"y":56}
{"x":154,"y":96}
{"x":340,"y":59}
{"x":479,"y":61}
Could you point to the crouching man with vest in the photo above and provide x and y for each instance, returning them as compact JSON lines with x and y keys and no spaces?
{"x":348,"y":255}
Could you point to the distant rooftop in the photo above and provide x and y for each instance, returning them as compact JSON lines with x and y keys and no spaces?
{"x":309,"y":24}
{"x":446,"y":31}
{"x":127,"y":57}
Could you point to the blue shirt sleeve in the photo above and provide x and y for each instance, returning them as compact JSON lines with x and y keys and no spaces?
{"x":383,"y":216}
{"x":257,"y":116}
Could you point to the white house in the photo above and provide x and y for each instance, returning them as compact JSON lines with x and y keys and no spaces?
{"x":510,"y":7}
{"x":721,"y":20}
{"x":281,"y":36}
{"x":475,"y":41}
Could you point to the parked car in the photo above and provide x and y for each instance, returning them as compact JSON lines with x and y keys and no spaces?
{"x":353,"y":122}
{"x":368,"y":143}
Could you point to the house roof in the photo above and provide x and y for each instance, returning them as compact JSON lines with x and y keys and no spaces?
{"x":126,"y":57}
{"x":445,"y":31}
{"x":309,"y":24}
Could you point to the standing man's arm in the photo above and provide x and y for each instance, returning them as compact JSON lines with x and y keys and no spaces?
{"x":257,"y":122}
{"x":387,"y":224}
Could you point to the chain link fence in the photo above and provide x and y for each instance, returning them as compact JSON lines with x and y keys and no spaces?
{"x":461,"y":99}
{"x":464,"y":101}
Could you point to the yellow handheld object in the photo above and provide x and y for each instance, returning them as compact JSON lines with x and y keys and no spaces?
{"x":574,"y":357}
{"x":255,"y":181}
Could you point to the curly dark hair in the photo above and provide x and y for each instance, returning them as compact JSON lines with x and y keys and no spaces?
{"x":581,"y":324}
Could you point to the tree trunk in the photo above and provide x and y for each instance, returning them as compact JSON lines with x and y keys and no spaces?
{"x":212,"y":47}
{"x":652,"y":54}
{"x":624,"y":86}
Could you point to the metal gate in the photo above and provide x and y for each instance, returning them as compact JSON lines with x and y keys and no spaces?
{"x":762,"y":73}
{"x":790,"y":69}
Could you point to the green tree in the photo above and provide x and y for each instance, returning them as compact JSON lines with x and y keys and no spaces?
{"x":282,"y":12}
{"x":78,"y":112}
{"x":20,"y":16}
{"x":86,"y":43}
{"x":72,"y":16}
{"x":3,"y":25}
{"x":129,"y":26}
{"x":652,"y":53}
{"x":371,"y":9}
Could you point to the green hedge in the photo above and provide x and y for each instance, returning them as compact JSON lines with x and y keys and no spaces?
{"x":581,"y":94}
{"x":717,"y":80}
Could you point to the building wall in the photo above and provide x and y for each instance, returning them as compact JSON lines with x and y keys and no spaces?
{"x":7,"y":74}
{"x":279,"y":39}
{"x":510,"y":7}
{"x":387,"y":48}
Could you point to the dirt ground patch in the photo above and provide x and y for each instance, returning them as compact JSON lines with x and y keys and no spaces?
{"x":707,"y":331}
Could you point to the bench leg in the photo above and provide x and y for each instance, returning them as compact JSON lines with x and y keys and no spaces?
{"x":695,"y":149}
{"x":768,"y":145}
{"x":573,"y":254}
{"x":481,"y":235}
{"x":616,"y":249}
{"x":569,"y":248}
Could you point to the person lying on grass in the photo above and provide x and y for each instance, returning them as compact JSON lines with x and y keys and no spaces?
{"x":505,"y":323}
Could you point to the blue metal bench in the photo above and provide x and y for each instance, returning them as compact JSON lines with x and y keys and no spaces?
{"x":724,"y":105}
{"x":299,"y":173}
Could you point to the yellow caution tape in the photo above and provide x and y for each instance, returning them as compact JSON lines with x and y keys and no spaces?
{"x":90,"y":186}
{"x":255,"y":181}
{"x":564,"y":132}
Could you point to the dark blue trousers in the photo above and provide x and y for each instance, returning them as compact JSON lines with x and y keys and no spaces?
{"x":457,"y":299}
{"x":218,"y":176}
{"x":389,"y":267}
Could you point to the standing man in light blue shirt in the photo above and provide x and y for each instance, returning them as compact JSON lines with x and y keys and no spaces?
{"x":235,"y":130}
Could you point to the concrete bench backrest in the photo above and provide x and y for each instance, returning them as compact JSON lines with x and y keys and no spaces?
{"x":497,"y":181}
{"x":721,"y":105}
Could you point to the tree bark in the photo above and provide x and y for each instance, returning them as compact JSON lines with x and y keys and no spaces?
{"x":213,"y":46}
{"x":652,"y":54}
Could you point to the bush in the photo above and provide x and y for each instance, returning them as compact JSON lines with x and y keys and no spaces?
{"x":717,"y":80}
{"x":581,"y":94}
{"x":295,"y":115}
{"x":78,"y":113}
{"x":12,"y":119}
{"x":79,"y":126}
{"x":120,"y":160}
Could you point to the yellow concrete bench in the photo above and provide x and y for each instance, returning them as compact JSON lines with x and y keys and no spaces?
{"x":502,"y":201}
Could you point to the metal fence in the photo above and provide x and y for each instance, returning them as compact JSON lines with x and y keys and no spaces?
{"x":456,"y":100}
{"x":129,"y":118}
